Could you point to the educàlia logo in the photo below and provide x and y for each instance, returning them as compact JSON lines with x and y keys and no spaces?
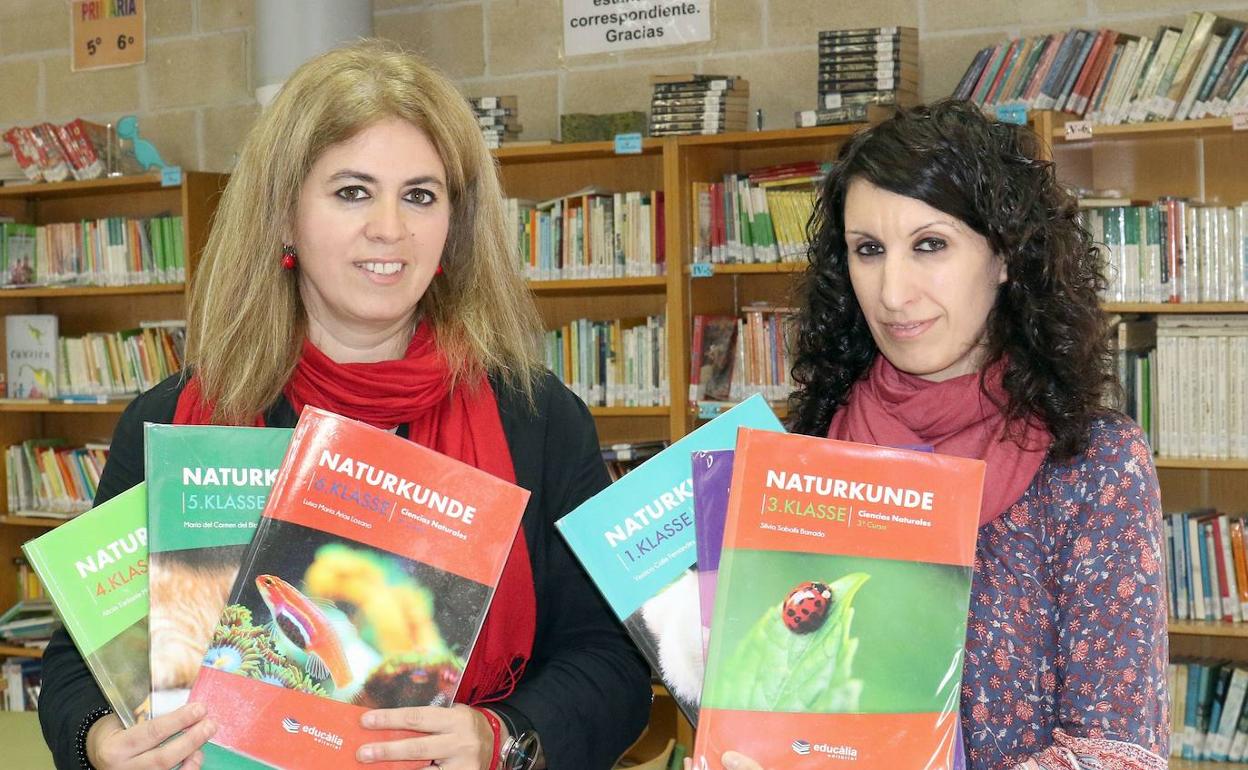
{"x":323,"y":737}
{"x":805,"y":748}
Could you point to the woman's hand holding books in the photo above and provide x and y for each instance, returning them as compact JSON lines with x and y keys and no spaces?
{"x":110,"y":746}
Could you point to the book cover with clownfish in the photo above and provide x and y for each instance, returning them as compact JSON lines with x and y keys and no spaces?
{"x":841,"y":606}
{"x":364,"y":587}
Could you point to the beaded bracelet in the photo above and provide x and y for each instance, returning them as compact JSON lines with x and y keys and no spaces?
{"x":80,"y":742}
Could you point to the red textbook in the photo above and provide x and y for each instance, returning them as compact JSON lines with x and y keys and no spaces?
{"x":365,"y":587}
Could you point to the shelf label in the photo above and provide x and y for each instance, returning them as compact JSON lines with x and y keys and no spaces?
{"x":1078,"y":130}
{"x":170,"y":176}
{"x":709,"y":410}
{"x":628,"y":144}
{"x":1239,"y":120}
{"x":1012,"y":113}
{"x":701,"y":270}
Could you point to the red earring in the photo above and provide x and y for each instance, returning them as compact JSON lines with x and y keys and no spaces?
{"x":289,"y":256}
{"x":439,"y":270}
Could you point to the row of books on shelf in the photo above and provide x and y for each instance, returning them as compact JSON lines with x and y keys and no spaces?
{"x":612,"y":363}
{"x":1182,"y":381}
{"x":756,"y":217}
{"x":112,"y":251}
{"x":590,"y":234}
{"x":46,"y":478}
{"x":1205,"y":564}
{"x":1208,"y":711}
{"x":93,"y":368}
{"x":1173,"y":250}
{"x":1196,"y":71}
{"x":735,"y":357}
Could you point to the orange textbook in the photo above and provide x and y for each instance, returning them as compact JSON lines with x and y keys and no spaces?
{"x":364,"y":587}
{"x":840,"y":613}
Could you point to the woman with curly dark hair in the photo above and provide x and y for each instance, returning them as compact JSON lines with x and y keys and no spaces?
{"x":952,"y":302}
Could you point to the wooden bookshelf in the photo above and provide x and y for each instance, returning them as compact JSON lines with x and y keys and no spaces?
{"x":763,"y":268}
{"x":1209,"y":628}
{"x":88,"y":292}
{"x":1176,"y":308}
{"x":600,"y":285}
{"x":83,"y":309}
{"x":11,"y":651}
{"x":50,"y":407}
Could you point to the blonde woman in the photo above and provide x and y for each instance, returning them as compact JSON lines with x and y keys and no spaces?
{"x":359,"y":262}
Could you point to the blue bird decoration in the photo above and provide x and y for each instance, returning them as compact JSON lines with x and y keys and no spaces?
{"x":144,"y":151}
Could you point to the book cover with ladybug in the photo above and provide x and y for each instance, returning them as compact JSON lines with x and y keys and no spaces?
{"x":636,"y":540}
{"x":840,"y":611}
{"x":364,"y":587}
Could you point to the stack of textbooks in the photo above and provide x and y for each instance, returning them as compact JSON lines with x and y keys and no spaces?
{"x":758,"y":216}
{"x":735,"y":357}
{"x":813,"y":556}
{"x":45,"y":478}
{"x":338,"y":568}
{"x":698,"y":104}
{"x":1173,"y":250}
{"x":498,"y":117}
{"x":114,"y":251}
{"x":861,"y":69}
{"x":1199,"y":381}
{"x":611,"y":363}
{"x":51,"y":152}
{"x":624,"y":457}
{"x":29,"y":624}
{"x":1199,"y":70}
{"x":590,"y":234}
{"x":1208,"y":711}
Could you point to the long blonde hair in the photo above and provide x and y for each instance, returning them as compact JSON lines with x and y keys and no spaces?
{"x":246,"y":322}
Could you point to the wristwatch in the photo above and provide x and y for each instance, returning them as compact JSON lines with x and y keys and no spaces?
{"x":519,"y":752}
{"x":522,"y":748}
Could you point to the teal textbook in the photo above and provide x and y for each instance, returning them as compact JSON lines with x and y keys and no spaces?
{"x":206,"y":488}
{"x":636,"y":540}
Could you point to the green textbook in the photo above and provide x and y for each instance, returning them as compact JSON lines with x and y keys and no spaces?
{"x":94,"y":568}
{"x":206,"y":488}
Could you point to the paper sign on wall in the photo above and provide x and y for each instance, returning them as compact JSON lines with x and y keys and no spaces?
{"x":610,"y":26}
{"x":108,"y":33}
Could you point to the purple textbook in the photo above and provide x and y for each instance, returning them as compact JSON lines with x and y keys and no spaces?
{"x":712,"y":472}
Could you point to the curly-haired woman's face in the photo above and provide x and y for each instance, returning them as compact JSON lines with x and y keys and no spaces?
{"x":924,"y":279}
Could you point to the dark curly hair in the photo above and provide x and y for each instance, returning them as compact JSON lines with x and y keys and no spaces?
{"x":1047,"y":320}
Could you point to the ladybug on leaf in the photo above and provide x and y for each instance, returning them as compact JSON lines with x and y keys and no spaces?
{"x":806,"y":607}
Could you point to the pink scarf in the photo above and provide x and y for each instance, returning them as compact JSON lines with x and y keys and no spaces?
{"x":954,"y":417}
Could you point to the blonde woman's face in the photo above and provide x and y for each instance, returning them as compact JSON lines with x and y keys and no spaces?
{"x":925,"y":281}
{"x":370,"y":225}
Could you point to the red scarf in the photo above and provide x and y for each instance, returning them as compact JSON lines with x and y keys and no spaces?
{"x":463,"y":424}
{"x":891,"y":408}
